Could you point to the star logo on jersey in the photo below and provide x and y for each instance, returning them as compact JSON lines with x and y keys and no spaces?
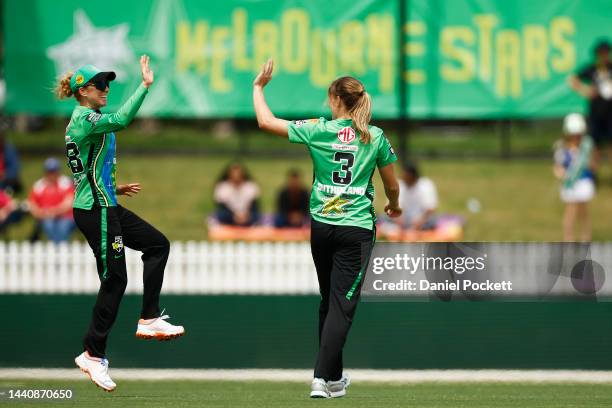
{"x":334,"y":206}
{"x":118,"y":244}
{"x":105,"y":47}
{"x":346,"y":134}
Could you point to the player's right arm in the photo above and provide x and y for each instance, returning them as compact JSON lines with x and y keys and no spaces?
{"x":265,"y":118}
{"x":95,"y":122}
{"x":392,"y":209}
{"x":385,"y":158}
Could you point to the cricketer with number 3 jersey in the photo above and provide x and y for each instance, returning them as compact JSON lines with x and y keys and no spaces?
{"x":342,"y":191}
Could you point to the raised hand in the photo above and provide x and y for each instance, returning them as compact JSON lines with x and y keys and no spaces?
{"x":265,"y":75}
{"x":147,"y":74}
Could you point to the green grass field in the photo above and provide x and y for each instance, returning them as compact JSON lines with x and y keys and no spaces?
{"x":478,"y":139}
{"x":183,"y":394}
{"x":519,"y":198}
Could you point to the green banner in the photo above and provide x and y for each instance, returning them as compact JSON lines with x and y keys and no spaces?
{"x":463,"y":58}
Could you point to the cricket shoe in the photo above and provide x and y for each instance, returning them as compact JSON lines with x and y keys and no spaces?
{"x":97,"y":370}
{"x":318,"y":389}
{"x":158,"y":329}
{"x":338,"y":388}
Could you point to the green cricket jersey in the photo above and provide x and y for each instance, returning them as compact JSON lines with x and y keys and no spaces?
{"x":342,"y":190}
{"x":90,"y":147}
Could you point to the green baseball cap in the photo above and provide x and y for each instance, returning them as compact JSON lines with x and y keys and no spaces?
{"x":86,"y":74}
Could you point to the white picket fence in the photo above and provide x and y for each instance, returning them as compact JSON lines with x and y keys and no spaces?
{"x":193,"y":268}
{"x":240,"y":268}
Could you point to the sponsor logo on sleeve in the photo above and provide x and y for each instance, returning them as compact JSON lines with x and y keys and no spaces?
{"x":390,"y":147}
{"x":93,"y":117}
{"x":300,"y":123}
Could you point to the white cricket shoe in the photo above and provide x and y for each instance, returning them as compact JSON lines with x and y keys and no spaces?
{"x":97,"y":370}
{"x":158,"y":329}
{"x":318,"y":389}
{"x":338,"y":388}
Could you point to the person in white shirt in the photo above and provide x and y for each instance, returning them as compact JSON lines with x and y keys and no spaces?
{"x":419,"y":200}
{"x":575,"y":168}
{"x":236,"y":197}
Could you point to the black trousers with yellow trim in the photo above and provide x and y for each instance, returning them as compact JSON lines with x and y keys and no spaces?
{"x":341,"y":255}
{"x":108,"y":230}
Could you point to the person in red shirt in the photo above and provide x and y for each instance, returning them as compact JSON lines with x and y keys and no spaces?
{"x":51,"y":202}
{"x":10,"y":213}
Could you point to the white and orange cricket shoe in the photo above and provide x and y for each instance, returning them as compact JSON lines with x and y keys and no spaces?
{"x":97,"y":370}
{"x":159,"y":329}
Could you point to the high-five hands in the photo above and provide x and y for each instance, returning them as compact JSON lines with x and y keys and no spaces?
{"x":147,"y":74}
{"x":265,"y":75}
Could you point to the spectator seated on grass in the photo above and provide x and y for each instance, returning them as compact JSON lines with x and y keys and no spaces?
{"x":418,"y":200}
{"x":419,"y":220}
{"x":236,"y":197}
{"x":237,"y":217}
{"x":51,"y":202}
{"x":10,"y":212}
{"x":292,"y":203}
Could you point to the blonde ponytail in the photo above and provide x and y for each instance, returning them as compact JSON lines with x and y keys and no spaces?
{"x":361,"y":114}
{"x":62,"y":89}
{"x":357,"y":102}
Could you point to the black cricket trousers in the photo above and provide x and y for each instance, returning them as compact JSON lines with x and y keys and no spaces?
{"x":341,"y":255}
{"x":107,"y":230}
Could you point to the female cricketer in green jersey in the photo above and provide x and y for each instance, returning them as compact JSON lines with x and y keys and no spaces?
{"x":107,"y":226}
{"x":345,"y":152}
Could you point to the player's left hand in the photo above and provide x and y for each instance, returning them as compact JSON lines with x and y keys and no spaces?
{"x":147,"y":74}
{"x":265,"y":75}
{"x":392,"y":211}
{"x":128,"y":189}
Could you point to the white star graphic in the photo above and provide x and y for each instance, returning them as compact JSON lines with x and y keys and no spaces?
{"x":105,"y":47}
{"x":184,"y":89}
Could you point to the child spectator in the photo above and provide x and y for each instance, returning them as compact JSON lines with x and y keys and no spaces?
{"x":574,"y":167}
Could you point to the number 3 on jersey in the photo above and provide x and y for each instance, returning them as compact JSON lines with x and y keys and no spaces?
{"x":74,"y":160}
{"x":344,"y":176}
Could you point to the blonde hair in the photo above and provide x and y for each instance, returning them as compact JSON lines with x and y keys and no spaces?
{"x":62,"y":88}
{"x":357,"y":101}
